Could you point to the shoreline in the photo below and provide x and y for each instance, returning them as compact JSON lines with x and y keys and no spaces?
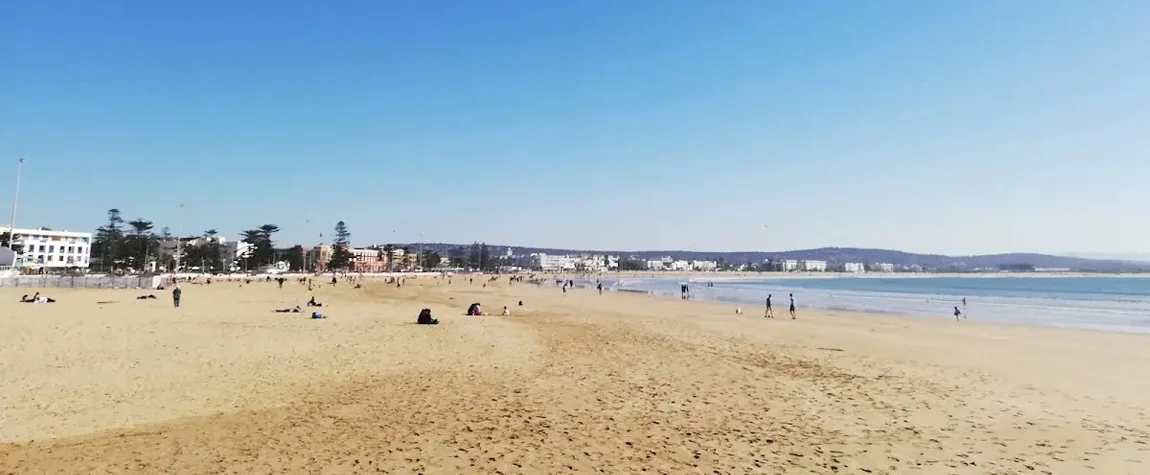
{"x":1122,"y":312}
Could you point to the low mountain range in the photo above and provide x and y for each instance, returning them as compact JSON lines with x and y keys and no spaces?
{"x":839,"y":255}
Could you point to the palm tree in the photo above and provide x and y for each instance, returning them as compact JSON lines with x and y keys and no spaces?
{"x":388,"y":250}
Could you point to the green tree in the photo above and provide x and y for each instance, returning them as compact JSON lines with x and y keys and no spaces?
{"x":294,"y":257}
{"x":484,"y":257}
{"x":109,"y":241}
{"x":141,"y":244}
{"x":431,"y":260}
{"x":388,"y":249}
{"x":474,"y":259}
{"x":340,"y":247}
{"x":632,"y":265}
{"x":457,"y":256}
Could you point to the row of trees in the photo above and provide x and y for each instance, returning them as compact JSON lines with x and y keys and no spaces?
{"x":126,"y":245}
{"x":135,"y":246}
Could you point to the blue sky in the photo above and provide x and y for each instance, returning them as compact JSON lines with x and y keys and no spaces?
{"x":953,"y":127}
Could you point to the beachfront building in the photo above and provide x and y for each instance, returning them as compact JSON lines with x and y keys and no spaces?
{"x":231,"y":252}
{"x":46,"y":248}
{"x":704,"y":266}
{"x":597,"y":263}
{"x":319,"y":257}
{"x":368,"y":259}
{"x":808,"y":265}
{"x":655,"y":265}
{"x":882,"y":267}
{"x":783,"y":265}
{"x":680,"y":266}
{"x":551,"y":262}
{"x":855,"y":267}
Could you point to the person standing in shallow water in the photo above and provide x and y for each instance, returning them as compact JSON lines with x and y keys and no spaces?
{"x":176,"y":296}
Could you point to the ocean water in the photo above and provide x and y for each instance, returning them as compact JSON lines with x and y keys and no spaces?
{"x":1098,"y":303}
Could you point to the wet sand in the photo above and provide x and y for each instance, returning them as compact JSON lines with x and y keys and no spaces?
{"x":616,"y":383}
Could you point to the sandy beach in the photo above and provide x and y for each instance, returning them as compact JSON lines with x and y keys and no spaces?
{"x":100,"y":382}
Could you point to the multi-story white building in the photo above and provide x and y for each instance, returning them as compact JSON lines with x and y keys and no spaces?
{"x":680,"y":266}
{"x":552,"y":262}
{"x":812,"y":266}
{"x":856,"y":267}
{"x":704,"y":266}
{"x":785,"y":265}
{"x":883,"y":267}
{"x":50,"y":249}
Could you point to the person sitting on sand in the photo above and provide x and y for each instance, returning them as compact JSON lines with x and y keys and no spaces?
{"x":474,"y":310}
{"x":289,"y":310}
{"x":313,"y":303}
{"x":37,"y":299}
{"x":424,"y":318}
{"x":506,"y":311}
{"x":317,"y":316}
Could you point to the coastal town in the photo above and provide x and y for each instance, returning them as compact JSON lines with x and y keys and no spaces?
{"x":47,"y":250}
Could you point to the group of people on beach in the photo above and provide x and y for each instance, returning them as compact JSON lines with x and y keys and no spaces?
{"x":770,"y":313}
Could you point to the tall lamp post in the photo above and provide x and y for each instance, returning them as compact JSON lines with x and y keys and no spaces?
{"x":180,"y":239}
{"x":15,"y":205}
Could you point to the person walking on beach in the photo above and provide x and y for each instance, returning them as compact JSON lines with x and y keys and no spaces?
{"x":793,"y":317}
{"x":770,"y":313}
{"x":176,"y":296}
{"x":956,"y":313}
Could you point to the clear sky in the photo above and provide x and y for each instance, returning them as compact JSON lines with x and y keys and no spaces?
{"x":955,"y":126}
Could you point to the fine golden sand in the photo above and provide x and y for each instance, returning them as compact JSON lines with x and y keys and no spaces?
{"x":100,"y":382}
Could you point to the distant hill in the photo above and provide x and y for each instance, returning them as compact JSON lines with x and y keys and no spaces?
{"x":838,"y":255}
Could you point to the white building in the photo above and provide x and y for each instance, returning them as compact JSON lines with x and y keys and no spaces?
{"x":704,"y":266}
{"x":856,"y":267}
{"x":812,"y":266}
{"x":883,"y":267}
{"x":655,"y":265}
{"x":552,"y":262}
{"x":786,"y":265}
{"x":680,"y":266}
{"x":231,"y":252}
{"x":49,"y":249}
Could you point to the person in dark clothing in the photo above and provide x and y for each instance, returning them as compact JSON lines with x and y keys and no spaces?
{"x":289,"y":310}
{"x":793,"y":317}
{"x":770,"y":313}
{"x":425,"y":318}
{"x":176,"y":296}
{"x":313,"y":303}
